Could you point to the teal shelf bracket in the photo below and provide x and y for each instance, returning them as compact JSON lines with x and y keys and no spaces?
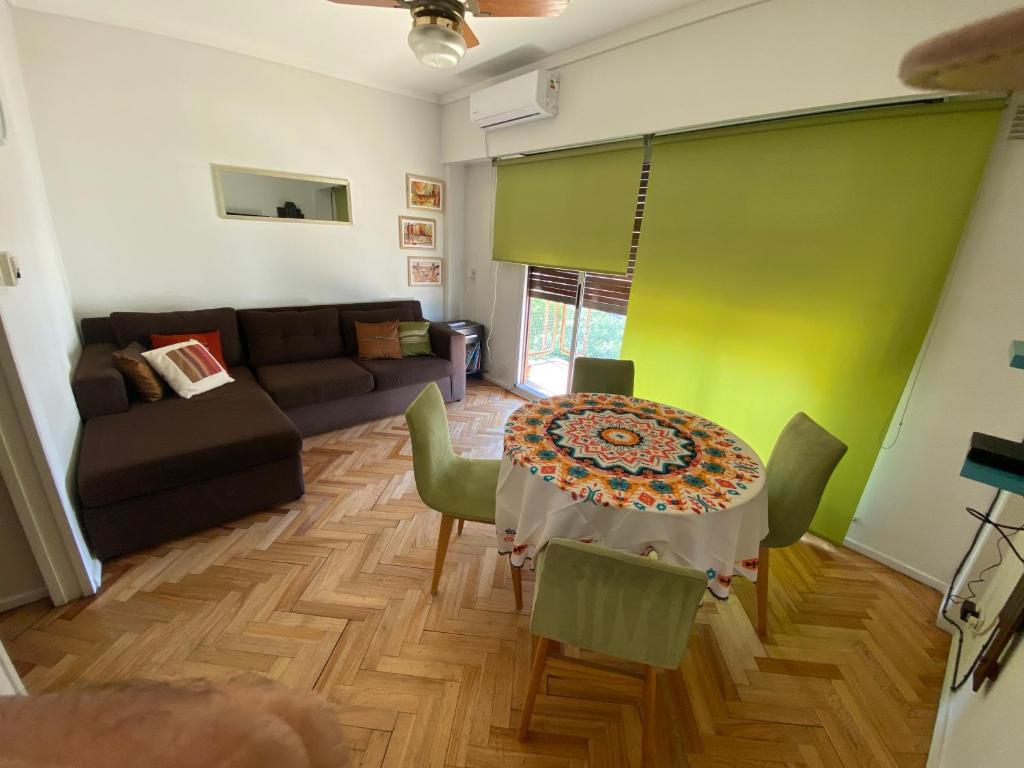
{"x":997,"y":478}
{"x":1017,"y":354}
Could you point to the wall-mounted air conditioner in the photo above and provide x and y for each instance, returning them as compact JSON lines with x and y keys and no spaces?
{"x":533,"y":96}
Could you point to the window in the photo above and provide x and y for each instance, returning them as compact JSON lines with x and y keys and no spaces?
{"x":574,"y":314}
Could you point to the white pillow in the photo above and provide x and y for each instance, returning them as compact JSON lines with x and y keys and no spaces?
{"x":188,"y":367}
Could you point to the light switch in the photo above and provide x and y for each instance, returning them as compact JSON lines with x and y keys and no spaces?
{"x":9,"y":273}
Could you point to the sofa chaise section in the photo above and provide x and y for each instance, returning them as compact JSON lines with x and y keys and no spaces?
{"x":148,"y":472}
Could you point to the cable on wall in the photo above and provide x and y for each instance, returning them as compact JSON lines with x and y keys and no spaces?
{"x":1006,"y":532}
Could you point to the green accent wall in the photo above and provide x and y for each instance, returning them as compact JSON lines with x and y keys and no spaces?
{"x":572,"y":209}
{"x":796,"y":265}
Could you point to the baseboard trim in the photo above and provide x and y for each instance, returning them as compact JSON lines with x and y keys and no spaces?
{"x":22,"y":598}
{"x":942,"y":715}
{"x":896,"y":565}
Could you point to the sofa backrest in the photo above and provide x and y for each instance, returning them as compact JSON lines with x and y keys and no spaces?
{"x":278,"y":337}
{"x":138,"y":326}
{"x":121,"y":328}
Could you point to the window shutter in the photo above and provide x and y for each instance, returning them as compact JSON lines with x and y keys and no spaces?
{"x":567,"y":209}
{"x":553,"y":284}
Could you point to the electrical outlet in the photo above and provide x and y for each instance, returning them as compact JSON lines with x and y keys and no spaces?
{"x":472,"y":274}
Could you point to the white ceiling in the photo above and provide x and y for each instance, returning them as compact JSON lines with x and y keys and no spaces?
{"x":365,"y":45}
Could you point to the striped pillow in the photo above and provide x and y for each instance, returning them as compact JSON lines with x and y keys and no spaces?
{"x":415,"y":339}
{"x":188,"y":367}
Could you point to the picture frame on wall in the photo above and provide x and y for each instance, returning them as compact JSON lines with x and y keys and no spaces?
{"x":426,"y":271}
{"x":424,"y":192}
{"x":415,"y":233}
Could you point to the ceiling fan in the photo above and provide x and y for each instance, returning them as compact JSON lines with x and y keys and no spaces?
{"x":440,"y":35}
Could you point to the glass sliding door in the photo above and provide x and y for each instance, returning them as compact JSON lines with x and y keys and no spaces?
{"x":569,"y":315}
{"x":552,"y":296}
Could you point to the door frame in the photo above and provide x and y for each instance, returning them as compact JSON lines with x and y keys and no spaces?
{"x":68,"y":569}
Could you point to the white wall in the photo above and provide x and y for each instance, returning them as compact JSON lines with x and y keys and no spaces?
{"x":486,"y":283}
{"x":912,"y":512}
{"x":981,"y":728}
{"x":128,"y":124}
{"x":20,"y":579}
{"x":769,"y":58}
{"x":40,"y":331}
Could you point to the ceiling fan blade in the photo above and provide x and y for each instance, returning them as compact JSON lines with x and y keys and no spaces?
{"x":522,"y":8}
{"x":373,"y":3}
{"x":468,"y":35}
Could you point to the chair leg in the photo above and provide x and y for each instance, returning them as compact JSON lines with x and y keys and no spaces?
{"x":461,"y":523}
{"x":539,"y":657}
{"x":442,"y":549}
{"x":762,"y":591}
{"x":517,"y":585}
{"x":650,"y":697}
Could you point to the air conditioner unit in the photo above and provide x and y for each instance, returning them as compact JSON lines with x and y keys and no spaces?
{"x":533,"y":96}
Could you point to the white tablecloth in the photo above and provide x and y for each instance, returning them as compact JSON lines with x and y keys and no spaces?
{"x":634,"y":476}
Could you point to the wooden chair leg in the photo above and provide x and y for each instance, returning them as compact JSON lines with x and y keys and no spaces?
{"x":517,"y":585}
{"x":461,"y":523}
{"x":539,"y":656}
{"x":650,"y":697}
{"x":442,"y":549}
{"x":762,"y":591}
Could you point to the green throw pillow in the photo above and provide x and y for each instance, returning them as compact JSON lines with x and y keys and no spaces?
{"x":415,"y":339}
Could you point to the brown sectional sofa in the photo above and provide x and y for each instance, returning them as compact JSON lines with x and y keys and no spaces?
{"x":148,"y":472}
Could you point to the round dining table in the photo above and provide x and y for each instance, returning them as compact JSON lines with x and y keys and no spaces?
{"x":633,"y":475}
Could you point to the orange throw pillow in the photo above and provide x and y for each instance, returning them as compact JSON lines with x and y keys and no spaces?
{"x":378,"y":341}
{"x":209,"y":339}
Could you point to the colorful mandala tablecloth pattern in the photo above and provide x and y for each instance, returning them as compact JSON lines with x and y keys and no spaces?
{"x":631,"y":453}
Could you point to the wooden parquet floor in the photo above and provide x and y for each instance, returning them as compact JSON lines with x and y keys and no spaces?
{"x":332,"y":595}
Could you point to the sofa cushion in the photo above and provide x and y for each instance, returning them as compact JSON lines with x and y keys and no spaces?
{"x":314,"y":381}
{"x":350,"y":316}
{"x":139,"y":326}
{"x":153,"y":447}
{"x":391,"y":374}
{"x":272,"y":338}
{"x":144,"y":381}
{"x":378,"y":341}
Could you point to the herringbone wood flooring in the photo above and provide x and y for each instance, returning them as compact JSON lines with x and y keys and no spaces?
{"x":331,"y":595}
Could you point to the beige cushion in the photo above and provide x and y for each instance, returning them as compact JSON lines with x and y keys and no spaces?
{"x":188,"y":367}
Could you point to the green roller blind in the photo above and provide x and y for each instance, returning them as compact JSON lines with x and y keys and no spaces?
{"x":571,"y":209}
{"x":795,"y":266}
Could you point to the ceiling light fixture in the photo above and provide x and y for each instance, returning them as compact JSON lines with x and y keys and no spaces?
{"x":437,"y":41}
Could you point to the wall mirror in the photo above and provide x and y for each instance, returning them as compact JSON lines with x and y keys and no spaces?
{"x":254,"y":193}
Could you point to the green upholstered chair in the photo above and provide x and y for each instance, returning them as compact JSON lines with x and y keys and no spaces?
{"x":802,"y":461}
{"x":614,"y":603}
{"x":592,"y":374}
{"x":459,"y":488}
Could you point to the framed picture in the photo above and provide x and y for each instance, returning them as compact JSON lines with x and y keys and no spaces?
{"x":424,"y":192}
{"x":425,"y":271}
{"x":417,"y":233}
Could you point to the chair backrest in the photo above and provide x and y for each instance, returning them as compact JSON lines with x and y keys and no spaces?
{"x":615,"y":603}
{"x":592,"y":374}
{"x":802,"y":461}
{"x":432,"y":453}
